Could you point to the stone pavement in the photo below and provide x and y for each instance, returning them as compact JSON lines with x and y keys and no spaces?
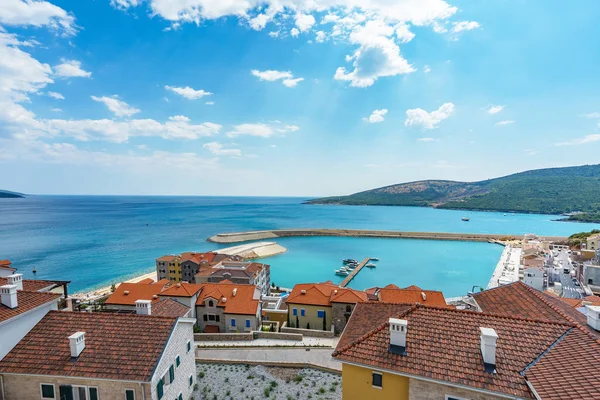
{"x":318,"y":357}
{"x":305,"y":342}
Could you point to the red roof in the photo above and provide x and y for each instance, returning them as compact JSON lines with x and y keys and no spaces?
{"x":182,"y":289}
{"x":344,"y":295}
{"x":317,"y":294}
{"x":244,"y":302}
{"x":31,"y":285}
{"x":444,"y":345}
{"x":117,"y":346}
{"x":147,"y":281}
{"x":6,"y":264}
{"x":169,"y":308}
{"x":576,"y":303}
{"x":429,"y":297}
{"x":128,"y":293}
{"x":27,"y":301}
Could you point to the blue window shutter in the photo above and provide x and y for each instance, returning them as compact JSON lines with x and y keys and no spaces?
{"x":295,"y":311}
{"x":320,"y":314}
{"x":247,"y":323}
{"x":302,"y":312}
{"x":232,"y":321}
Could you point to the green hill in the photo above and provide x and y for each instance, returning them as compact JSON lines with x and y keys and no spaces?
{"x":546,"y":191}
{"x":5,"y":194}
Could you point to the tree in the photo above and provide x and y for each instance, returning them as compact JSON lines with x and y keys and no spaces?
{"x":273,"y":285}
{"x":113,"y":287}
{"x":297,"y":322}
{"x":308,"y":325}
{"x":324,"y":321}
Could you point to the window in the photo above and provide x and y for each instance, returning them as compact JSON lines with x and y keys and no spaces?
{"x":348,"y":308}
{"x":295,"y":311}
{"x":159,"y":389}
{"x":210,"y":303}
{"x":80,"y":393}
{"x":454,"y":398}
{"x":302,"y":312}
{"x":93,"y":391}
{"x":232,"y":321}
{"x":191,"y":380}
{"x":171,"y":373}
{"x":320,"y":313}
{"x":47,"y":391}
{"x":377,"y":379}
{"x":247,"y":323}
{"x":205,"y":317}
{"x":189,"y":346}
{"x":177,"y":361}
{"x":129,"y":394}
{"x":211,"y":317}
{"x":217,"y":318}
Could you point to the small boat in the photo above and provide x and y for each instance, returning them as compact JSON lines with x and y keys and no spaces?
{"x":342,"y":273}
{"x":370,"y":265}
{"x":465,"y":219}
{"x":350,"y":261}
{"x":505,"y":215}
{"x":351,"y":266}
{"x":374,"y":259}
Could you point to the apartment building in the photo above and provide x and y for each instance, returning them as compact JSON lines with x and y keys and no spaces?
{"x":241,"y":272}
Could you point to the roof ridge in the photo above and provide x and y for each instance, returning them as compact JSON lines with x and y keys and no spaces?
{"x":543,"y":353}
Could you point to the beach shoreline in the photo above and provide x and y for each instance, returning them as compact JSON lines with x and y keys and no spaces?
{"x":105,"y":291}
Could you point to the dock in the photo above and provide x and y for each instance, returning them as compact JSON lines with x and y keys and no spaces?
{"x":354,"y":272}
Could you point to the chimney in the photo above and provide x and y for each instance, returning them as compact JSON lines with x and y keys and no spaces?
{"x":488,"y":348}
{"x":423,"y":296}
{"x":593,"y":316}
{"x":9,"y":295}
{"x":16,"y":279}
{"x":234,"y":292}
{"x":143,"y":307}
{"x":303,"y":291}
{"x":398,"y":330}
{"x":77,"y":343}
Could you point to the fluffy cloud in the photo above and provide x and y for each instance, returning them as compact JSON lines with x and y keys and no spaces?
{"x":321,"y":36}
{"x":506,"y":122}
{"x":420,"y":117}
{"x":125,"y":4}
{"x":304,"y":22}
{"x":56,"y":95}
{"x":270,"y":75}
{"x":376,"y":116}
{"x":218,"y":150}
{"x":426,"y":69}
{"x":118,"y":107}
{"x":69,"y":69}
{"x":259,"y":130}
{"x":36,"y":13}
{"x":294,"y":32}
{"x":464,"y":26}
{"x":188,"y":92}
{"x":288,"y":128}
{"x":495,"y":109}
{"x":583,"y":140}
{"x":426,"y":139}
{"x":209,"y":103}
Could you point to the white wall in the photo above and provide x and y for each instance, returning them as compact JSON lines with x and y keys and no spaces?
{"x":13,"y":330}
{"x":536,"y":280}
{"x":177,"y":345}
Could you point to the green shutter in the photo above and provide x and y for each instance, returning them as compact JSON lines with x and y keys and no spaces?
{"x":171,"y":373}
{"x":159,"y":389}
{"x":178,"y":361}
{"x":189,"y":346}
{"x":129,"y":394}
{"x":93,"y":393}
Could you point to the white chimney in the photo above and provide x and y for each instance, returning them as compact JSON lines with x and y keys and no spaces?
{"x":143,"y":307}
{"x":488,"y":345}
{"x":77,"y":343}
{"x":234,"y":292}
{"x":16,"y":279}
{"x":593,"y":316}
{"x":9,"y":295}
{"x":398,"y":330}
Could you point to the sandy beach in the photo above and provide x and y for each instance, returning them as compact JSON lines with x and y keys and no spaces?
{"x":103,"y":291}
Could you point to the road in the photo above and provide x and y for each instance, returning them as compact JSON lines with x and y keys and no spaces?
{"x":570,"y":291}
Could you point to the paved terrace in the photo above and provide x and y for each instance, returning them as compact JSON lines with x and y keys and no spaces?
{"x":261,"y":235}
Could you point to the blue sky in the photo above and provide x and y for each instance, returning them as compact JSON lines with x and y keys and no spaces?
{"x":291,"y":97}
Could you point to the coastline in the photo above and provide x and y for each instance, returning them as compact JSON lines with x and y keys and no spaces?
{"x":103,"y":291}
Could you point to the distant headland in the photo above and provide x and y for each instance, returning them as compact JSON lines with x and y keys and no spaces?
{"x":5,"y":194}
{"x":542,"y":191}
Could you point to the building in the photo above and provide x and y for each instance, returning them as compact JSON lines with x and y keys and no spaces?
{"x":183,"y":292}
{"x":126,"y":294}
{"x":6,"y":268}
{"x":226,"y":307}
{"x":312,"y":305}
{"x":418,"y":352}
{"x":21,"y":310}
{"x":167,"y":267}
{"x":536,"y":277}
{"x":411,"y":294}
{"x":591,"y":276}
{"x":592,"y":242}
{"x":71,"y":355}
{"x":241,"y":272}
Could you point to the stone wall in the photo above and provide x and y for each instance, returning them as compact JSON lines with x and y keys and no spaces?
{"x":278,"y":336}
{"x":341,"y":315}
{"x":309,"y":332}
{"x":205,"y":310}
{"x":423,"y":390}
{"x":228,"y":337}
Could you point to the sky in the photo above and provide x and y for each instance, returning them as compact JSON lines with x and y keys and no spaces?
{"x":291,"y":97}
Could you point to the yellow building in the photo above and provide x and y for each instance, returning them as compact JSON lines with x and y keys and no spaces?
{"x":167,"y":267}
{"x":417,"y":352}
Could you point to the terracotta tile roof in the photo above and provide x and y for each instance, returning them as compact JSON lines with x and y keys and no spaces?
{"x":197,"y":257}
{"x":6,"y":264}
{"x":520,"y":300}
{"x":569,"y":370}
{"x":429,"y":297}
{"x":167,"y":258}
{"x":244,"y":302}
{"x":576,"y":303}
{"x":317,"y":294}
{"x":129,"y":293}
{"x":411,"y":287}
{"x":26,"y":301}
{"x":169,"y":308}
{"x":444,"y":345}
{"x":31,"y":285}
{"x":181,"y":289}
{"x":369,"y":315}
{"x":348,"y":296}
{"x":117,"y":346}
{"x":147,"y":281}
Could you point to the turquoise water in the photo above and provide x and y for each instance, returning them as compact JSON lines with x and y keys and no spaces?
{"x":97,"y":240}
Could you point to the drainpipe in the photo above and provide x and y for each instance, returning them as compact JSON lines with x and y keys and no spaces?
{"x":143,"y":391}
{"x":2,"y":385}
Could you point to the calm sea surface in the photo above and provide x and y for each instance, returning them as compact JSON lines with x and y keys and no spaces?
{"x":96,"y":240}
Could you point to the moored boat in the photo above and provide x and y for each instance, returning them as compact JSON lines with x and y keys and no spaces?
{"x":370,"y":265}
{"x":374,"y":259}
{"x":465,"y":219}
{"x":342,"y":273}
{"x":350,"y":261}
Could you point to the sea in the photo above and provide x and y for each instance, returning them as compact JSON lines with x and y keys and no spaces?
{"x":94,"y":241}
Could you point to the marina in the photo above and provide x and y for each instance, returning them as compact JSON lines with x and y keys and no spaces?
{"x":354,"y":272}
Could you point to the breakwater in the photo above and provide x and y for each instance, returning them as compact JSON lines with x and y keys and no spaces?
{"x":238,"y":237}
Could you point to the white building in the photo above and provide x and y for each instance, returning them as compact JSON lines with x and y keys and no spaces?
{"x":536,"y":278}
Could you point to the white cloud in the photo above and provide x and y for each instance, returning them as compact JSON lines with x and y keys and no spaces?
{"x":304,"y":22}
{"x":592,"y":115}
{"x":376,"y":116}
{"x":259,"y":130}
{"x":124,"y":4}
{"x":188,"y":92}
{"x":426,"y":69}
{"x":209,"y":103}
{"x":288,"y":128}
{"x":495,"y":109}
{"x":116,"y":106}
{"x":427,"y":120}
{"x":56,"y":95}
{"x":217,"y":149}
{"x":36,"y":13}
{"x":270,"y":75}
{"x":426,"y":139}
{"x":464,"y":26}
{"x":56,"y":109}
{"x":179,"y":118}
{"x":71,"y":68}
{"x":321,"y":36}
{"x":274,"y":34}
{"x":294,"y":32}
{"x":579,"y":141}
{"x":403,"y":33}
{"x":506,"y":122}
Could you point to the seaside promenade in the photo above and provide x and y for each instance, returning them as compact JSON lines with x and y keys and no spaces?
{"x":238,"y":237}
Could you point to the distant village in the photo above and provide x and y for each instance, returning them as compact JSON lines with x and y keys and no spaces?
{"x":532,"y":333}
